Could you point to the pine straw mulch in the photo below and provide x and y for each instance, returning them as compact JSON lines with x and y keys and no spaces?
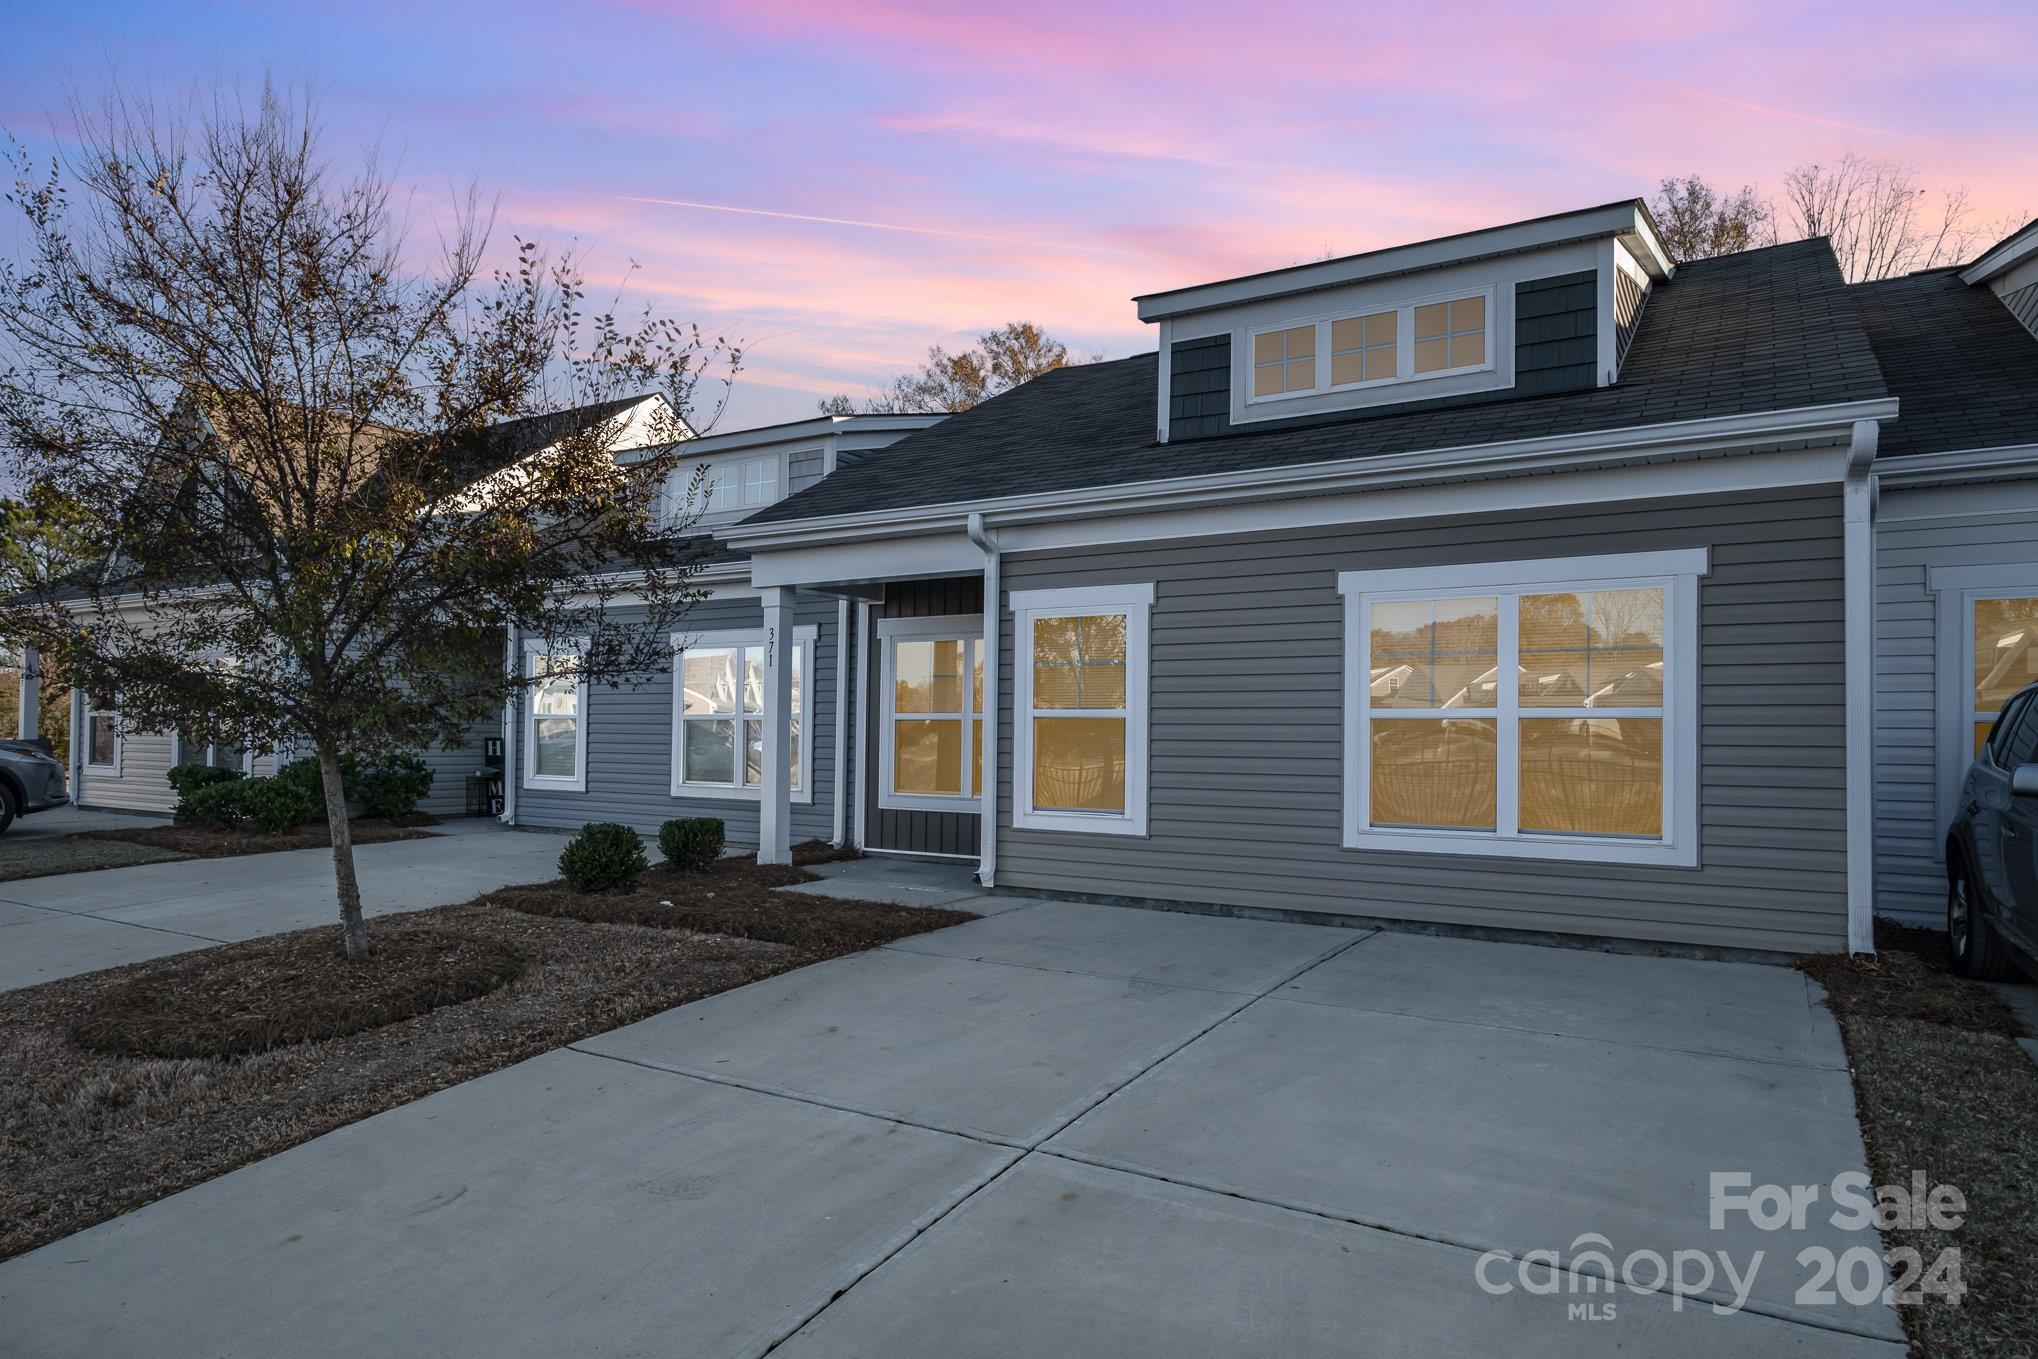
{"x":210,"y":842}
{"x":1942,"y":1087}
{"x":85,"y":1135}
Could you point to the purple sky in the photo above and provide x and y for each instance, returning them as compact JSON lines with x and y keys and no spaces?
{"x":842,"y":185}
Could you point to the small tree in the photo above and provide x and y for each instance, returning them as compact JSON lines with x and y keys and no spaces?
{"x":277,"y":419}
{"x":1698,"y":221}
{"x":1003,"y":359}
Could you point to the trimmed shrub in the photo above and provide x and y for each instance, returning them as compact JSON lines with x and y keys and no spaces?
{"x":391,"y":785}
{"x":272,"y":806}
{"x":187,"y":779}
{"x":302,"y":774}
{"x":604,"y":856}
{"x":217,"y":803}
{"x":692,"y":841}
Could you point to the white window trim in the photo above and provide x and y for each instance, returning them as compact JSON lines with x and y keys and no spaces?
{"x":1404,"y":346}
{"x":681,"y":477}
{"x":1136,"y":603}
{"x":177,"y":753}
{"x":119,"y":737}
{"x":1955,"y":591}
{"x":532,"y":779}
{"x":1676,"y":572}
{"x":804,"y":638}
{"x":967,"y":629}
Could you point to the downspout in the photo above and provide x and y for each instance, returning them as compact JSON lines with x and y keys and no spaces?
{"x":1858,"y":508}
{"x":510,"y":709}
{"x":862,"y":719}
{"x":987,"y":866}
{"x":841,"y":716}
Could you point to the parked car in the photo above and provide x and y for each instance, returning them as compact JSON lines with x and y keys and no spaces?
{"x":1992,"y":850}
{"x":31,"y":780}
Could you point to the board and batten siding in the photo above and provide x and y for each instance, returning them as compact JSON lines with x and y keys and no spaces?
{"x":1246,"y":730}
{"x":143,"y":784}
{"x":1916,"y":530}
{"x":915,"y":831}
{"x":629,"y":744}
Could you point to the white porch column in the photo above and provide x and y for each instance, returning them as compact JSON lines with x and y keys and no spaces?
{"x":30,"y":712}
{"x":775,"y":802}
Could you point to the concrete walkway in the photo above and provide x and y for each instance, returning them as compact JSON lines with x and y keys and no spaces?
{"x":80,"y":922}
{"x":1063,"y":1129}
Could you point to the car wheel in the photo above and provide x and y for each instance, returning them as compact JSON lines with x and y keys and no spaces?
{"x":1976,"y":953}
{"x":9,"y":806}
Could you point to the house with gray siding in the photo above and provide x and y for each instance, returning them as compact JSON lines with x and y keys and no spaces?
{"x":1528,"y":580}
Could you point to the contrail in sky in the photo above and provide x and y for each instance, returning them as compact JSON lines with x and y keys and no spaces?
{"x":869,"y":226}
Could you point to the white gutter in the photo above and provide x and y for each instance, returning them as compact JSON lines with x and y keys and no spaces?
{"x":987,"y":833}
{"x":841,"y":715}
{"x":1858,"y":508}
{"x":862,"y":718}
{"x":1960,"y":464}
{"x":1552,"y":453}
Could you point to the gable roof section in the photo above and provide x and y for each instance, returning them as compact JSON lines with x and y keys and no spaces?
{"x":1770,"y":329}
{"x":1963,"y":370}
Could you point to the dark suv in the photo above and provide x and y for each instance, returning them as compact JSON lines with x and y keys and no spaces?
{"x":1992,"y":850}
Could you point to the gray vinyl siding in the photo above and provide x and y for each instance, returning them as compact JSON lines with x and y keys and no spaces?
{"x":629,"y":745}
{"x":1246,"y":731}
{"x":1915,"y":531}
{"x":804,"y":468}
{"x":2023,"y":304}
{"x":918,"y":832}
{"x":450,"y":768}
{"x":143,"y":784}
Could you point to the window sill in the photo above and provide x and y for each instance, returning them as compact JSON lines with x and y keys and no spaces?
{"x":112,"y":769}
{"x":928,"y":802}
{"x":1085,"y":823}
{"x":1552,"y":848}
{"x":537,"y":784}
{"x":725,"y":792}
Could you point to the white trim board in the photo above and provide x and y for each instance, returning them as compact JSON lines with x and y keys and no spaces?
{"x":1555,"y":453}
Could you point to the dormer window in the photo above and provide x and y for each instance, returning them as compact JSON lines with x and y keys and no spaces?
{"x":1363,"y":348}
{"x":1450,"y":335}
{"x":1284,"y":361}
{"x":1418,"y":340}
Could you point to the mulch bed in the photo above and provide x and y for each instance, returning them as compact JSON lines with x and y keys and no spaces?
{"x":87,"y":1135}
{"x":209,"y":842}
{"x":734,"y":897}
{"x":46,"y":856}
{"x":1942,"y":1087}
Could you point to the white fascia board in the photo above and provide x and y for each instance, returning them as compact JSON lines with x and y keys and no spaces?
{"x":802,"y":431}
{"x":1960,"y":464}
{"x":1552,"y":453}
{"x":1625,"y":218}
{"x":925,"y":555}
{"x":2006,"y":255}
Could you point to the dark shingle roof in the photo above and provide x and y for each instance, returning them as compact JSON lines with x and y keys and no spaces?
{"x":1768,"y":329}
{"x":1963,"y":370}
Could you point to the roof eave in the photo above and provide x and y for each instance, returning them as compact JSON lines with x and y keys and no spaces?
{"x":2005,"y":255}
{"x":1513,"y":457}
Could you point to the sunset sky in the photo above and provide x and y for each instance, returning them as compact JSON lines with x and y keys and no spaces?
{"x":842,"y":185}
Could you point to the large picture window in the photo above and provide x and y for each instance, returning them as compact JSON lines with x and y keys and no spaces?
{"x":1544,"y":708}
{"x":1080,"y":694}
{"x":931,"y":753}
{"x":718,"y":714}
{"x":2004,"y":633}
{"x":1986,"y":639}
{"x":555,"y":716}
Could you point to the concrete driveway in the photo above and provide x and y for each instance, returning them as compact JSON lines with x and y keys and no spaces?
{"x":1062,"y":1129}
{"x":80,"y":922}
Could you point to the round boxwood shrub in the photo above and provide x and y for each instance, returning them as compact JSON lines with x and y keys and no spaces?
{"x":302,"y":774}
{"x":391,"y":785}
{"x":692,"y":841}
{"x":187,"y":779}
{"x":272,"y":806}
{"x":216,"y":803}
{"x":604,"y":856}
